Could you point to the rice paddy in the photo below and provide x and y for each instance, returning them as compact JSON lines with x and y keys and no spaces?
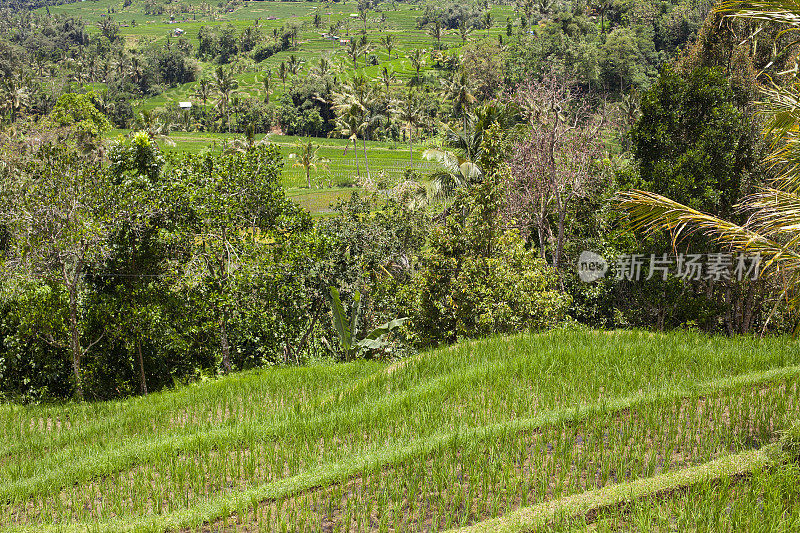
{"x":387,"y":160}
{"x":453,"y":438}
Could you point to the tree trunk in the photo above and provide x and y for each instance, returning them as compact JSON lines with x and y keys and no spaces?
{"x":466,"y":141}
{"x":411,"y":144}
{"x":366,"y":162}
{"x":223,"y":340}
{"x":560,"y":239}
{"x":308,"y":176}
{"x":355,"y":153}
{"x":75,"y":336}
{"x":142,"y":378}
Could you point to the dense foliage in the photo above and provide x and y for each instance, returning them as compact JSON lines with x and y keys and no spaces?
{"x":129,"y":266}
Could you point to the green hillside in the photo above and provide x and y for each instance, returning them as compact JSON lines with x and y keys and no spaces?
{"x":560,"y":427}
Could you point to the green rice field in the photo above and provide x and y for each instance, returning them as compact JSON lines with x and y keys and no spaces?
{"x":565,"y":430}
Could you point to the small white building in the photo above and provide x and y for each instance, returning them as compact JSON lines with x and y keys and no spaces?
{"x":179,"y":31}
{"x":185,"y":105}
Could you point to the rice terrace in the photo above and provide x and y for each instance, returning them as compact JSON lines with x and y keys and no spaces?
{"x":399,"y":266}
{"x":493,"y":435}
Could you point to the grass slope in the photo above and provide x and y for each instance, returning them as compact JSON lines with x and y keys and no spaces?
{"x":448,"y":439}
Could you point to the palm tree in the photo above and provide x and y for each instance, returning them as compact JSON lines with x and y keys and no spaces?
{"x":293,"y":66}
{"x":460,"y":90}
{"x":14,"y":96}
{"x":456,"y":173}
{"x":357,"y":100}
{"x":283,"y":73}
{"x":417,"y":60}
{"x":772,"y":228}
{"x":322,"y":68}
{"x":388,"y":42}
{"x":365,"y":47}
{"x":306,"y":155}
{"x":266,"y":81}
{"x":464,"y":29}
{"x":387,"y":78}
{"x":225,"y":84}
{"x":156,"y":129}
{"x":411,"y":112}
{"x":347,"y":124}
{"x":353,"y":51}
{"x":435,"y":31}
{"x":203,"y":91}
{"x":488,"y":21}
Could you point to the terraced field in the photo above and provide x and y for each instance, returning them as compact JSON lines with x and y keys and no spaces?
{"x":334,"y":178}
{"x":137,"y":27}
{"x":567,"y":429}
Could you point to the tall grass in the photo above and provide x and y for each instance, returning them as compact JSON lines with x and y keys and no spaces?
{"x":446,"y":439}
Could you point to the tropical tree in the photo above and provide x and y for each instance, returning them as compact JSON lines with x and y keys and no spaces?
{"x":225,"y":84}
{"x":388,"y":42}
{"x":417,"y":59}
{"x":411,"y":112}
{"x":293,"y":64}
{"x":365,"y":47}
{"x":267,"y":80}
{"x":435,"y":30}
{"x":456,"y":172}
{"x":387,"y":77}
{"x":203,"y":91}
{"x":464,"y":30}
{"x":773,"y":212}
{"x":58,"y":209}
{"x":357,"y":102}
{"x":305,"y":156}
{"x":347,"y":125}
{"x":460,"y":90}
{"x":283,"y":73}
{"x":353,"y":51}
{"x":14,"y":96}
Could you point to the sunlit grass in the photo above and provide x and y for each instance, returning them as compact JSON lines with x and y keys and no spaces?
{"x":447,"y":439}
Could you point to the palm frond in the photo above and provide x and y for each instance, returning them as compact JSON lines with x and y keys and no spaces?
{"x":652,"y":212}
{"x":780,"y":11}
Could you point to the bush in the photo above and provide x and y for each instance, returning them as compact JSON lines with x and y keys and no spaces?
{"x":478,"y":279}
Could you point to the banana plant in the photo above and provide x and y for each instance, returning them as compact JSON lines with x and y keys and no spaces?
{"x":347,"y":328}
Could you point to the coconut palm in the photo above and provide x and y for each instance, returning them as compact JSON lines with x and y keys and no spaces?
{"x":460,"y":90}
{"x":347,"y":124}
{"x":772,"y":228}
{"x":387,"y":77}
{"x":306,"y":156}
{"x":283,"y":73}
{"x":464,"y":30}
{"x":225,"y":84}
{"x":203,"y":91}
{"x":456,"y":173}
{"x":417,"y":61}
{"x":151,"y":123}
{"x":293,"y":65}
{"x":435,"y":30}
{"x":365,"y":47}
{"x":357,"y":102}
{"x":14,"y":96}
{"x":411,"y":112}
{"x":322,"y":68}
{"x":388,"y":42}
{"x":353,"y":51}
{"x":267,"y":81}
